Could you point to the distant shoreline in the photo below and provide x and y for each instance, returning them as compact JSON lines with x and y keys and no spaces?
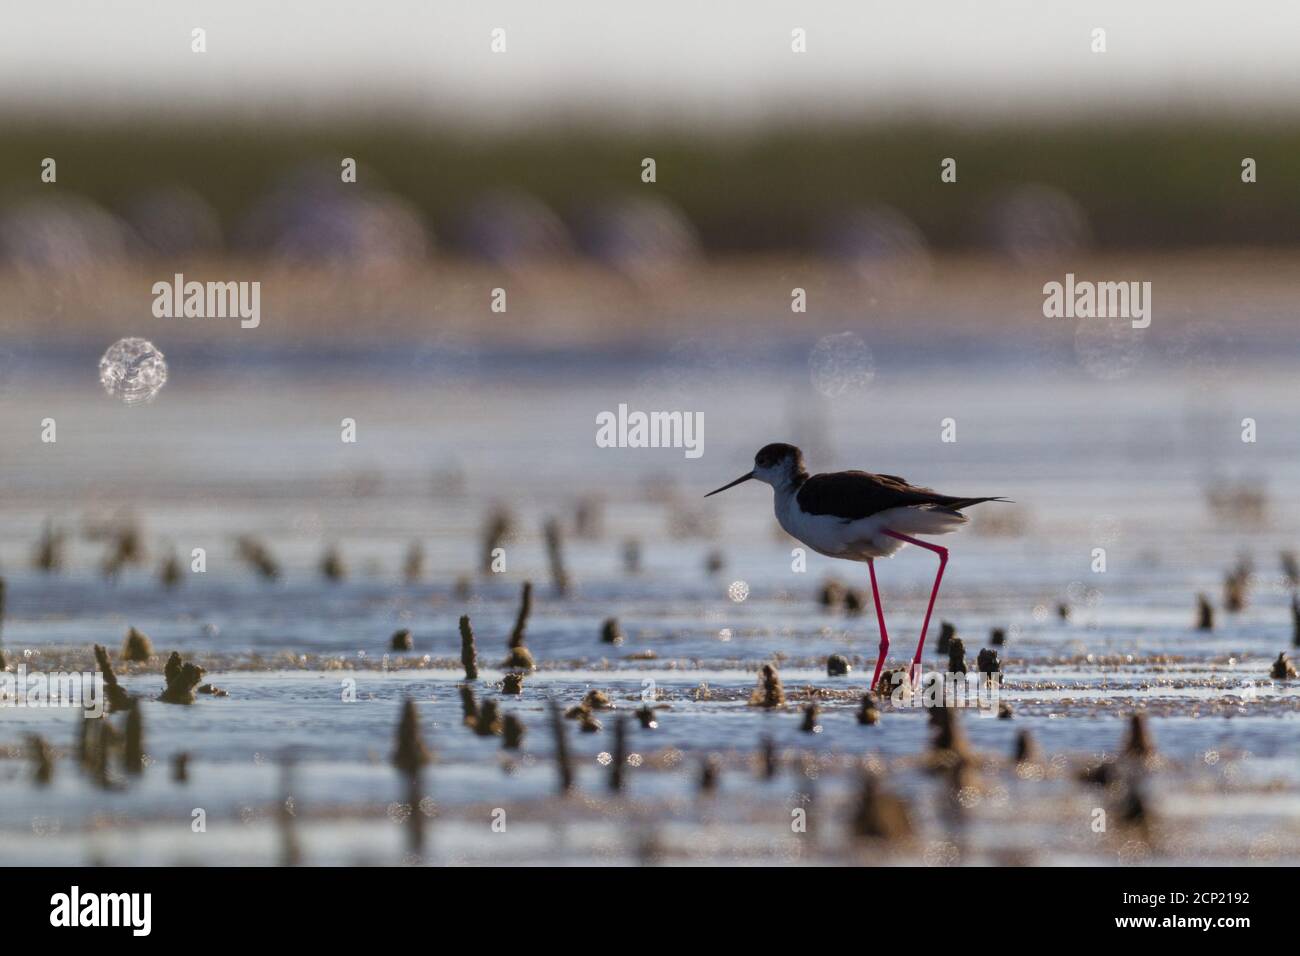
{"x":1249,"y":294}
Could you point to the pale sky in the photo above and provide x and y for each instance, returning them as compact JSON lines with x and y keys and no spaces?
{"x":695,"y":61}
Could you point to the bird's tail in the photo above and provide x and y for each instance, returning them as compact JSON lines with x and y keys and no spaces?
{"x":956,"y":504}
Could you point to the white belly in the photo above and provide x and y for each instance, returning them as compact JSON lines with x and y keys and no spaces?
{"x":864,"y":538}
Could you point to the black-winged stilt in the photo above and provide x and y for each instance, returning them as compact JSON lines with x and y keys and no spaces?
{"x":859,"y":517}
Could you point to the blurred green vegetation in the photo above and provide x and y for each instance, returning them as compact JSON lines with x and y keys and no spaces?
{"x":1149,"y":184}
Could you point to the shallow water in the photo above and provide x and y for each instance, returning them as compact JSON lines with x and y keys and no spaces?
{"x":1120,"y":464}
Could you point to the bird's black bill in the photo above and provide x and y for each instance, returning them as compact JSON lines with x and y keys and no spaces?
{"x":732,"y":485}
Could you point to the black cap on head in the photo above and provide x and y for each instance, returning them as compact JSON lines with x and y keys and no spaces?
{"x":769,"y":455}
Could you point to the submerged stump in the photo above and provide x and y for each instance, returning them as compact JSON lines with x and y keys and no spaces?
{"x":137,"y":648}
{"x":555,"y":557}
{"x":1139,"y":742}
{"x":710,"y":769}
{"x":518,"y":632}
{"x":1204,"y":613}
{"x":468,"y":706}
{"x":1027,"y":748}
{"x":118,"y":698}
{"x":181,"y":680}
{"x":618,"y":762}
{"x":133,"y":756}
{"x":42,"y":760}
{"x":332,"y":568}
{"x":169,"y":574}
{"x":512,"y":684}
{"x":512,"y":732}
{"x":948,"y":743}
{"x":1283,"y":669}
{"x":413,"y":563}
{"x":520,"y":658}
{"x":947,"y":631}
{"x":488,"y":721}
{"x":810,"y":714}
{"x":468,"y":652}
{"x":831,"y":594}
{"x":769,"y":692}
{"x":956,"y":656}
{"x":410,"y":757}
{"x":610,"y":632}
{"x":563,"y":765}
{"x":878,"y":814}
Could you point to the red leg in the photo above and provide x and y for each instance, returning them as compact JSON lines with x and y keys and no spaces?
{"x":925,"y":626}
{"x":880,"y":616}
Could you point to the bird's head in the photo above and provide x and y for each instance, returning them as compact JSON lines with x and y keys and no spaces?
{"x":775,"y":465}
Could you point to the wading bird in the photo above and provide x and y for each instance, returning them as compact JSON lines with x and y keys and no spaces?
{"x":859,"y":517}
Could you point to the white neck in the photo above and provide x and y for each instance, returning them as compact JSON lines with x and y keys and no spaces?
{"x":784,"y":491}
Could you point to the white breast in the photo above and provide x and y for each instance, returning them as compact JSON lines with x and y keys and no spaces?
{"x":864,"y":538}
{"x":832,"y":536}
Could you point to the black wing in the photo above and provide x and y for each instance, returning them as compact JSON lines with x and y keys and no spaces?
{"x":852,"y":495}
